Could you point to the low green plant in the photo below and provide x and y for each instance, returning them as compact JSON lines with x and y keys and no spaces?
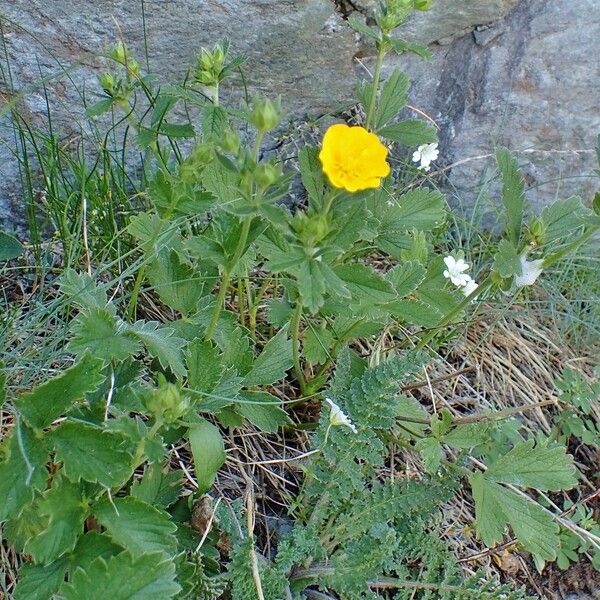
{"x":257,"y":295}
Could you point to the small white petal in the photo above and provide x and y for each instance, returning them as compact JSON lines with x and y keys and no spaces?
{"x":530,"y":271}
{"x":469,"y":287}
{"x":337,"y":416}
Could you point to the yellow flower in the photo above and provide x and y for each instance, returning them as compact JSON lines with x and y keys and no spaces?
{"x":353,"y":158}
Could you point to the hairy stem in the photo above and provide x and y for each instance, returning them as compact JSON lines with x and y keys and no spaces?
{"x":375,"y":84}
{"x":295,"y":327}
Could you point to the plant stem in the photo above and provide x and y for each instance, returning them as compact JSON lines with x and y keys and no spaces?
{"x":375,"y":84}
{"x":239,"y":251}
{"x":295,"y":327}
{"x":132,"y":306}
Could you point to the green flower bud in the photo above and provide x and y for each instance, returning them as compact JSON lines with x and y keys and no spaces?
{"x":205,"y":60}
{"x":166,"y":403}
{"x":423,"y":5}
{"x":107,"y":82}
{"x":202,"y":154}
{"x":265,"y":115}
{"x":266,"y":174}
{"x":230,"y":141}
{"x":133,"y":67}
{"x":218,"y":58}
{"x":537,"y":231}
{"x":119,"y":52}
{"x":596,"y":203}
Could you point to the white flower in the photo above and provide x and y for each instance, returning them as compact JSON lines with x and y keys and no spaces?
{"x":456,"y":271}
{"x":469,"y":287}
{"x":338,"y":417}
{"x":530,"y":271}
{"x":425,"y":155}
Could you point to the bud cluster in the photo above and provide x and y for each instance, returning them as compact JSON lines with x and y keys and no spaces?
{"x":209,"y":66}
{"x":166,"y":402}
{"x":395,"y":12}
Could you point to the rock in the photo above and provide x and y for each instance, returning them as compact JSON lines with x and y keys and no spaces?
{"x":522,"y":73}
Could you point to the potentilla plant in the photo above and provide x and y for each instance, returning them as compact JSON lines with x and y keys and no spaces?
{"x":260,"y":294}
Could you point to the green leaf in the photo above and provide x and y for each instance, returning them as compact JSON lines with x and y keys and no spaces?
{"x":162,"y":344}
{"x":496,"y":506}
{"x":153,"y":233}
{"x":263,"y":410}
{"x":214,"y":122}
{"x":406,"y":278}
{"x":10,"y":247}
{"x":365,"y":285}
{"x":222,"y":183}
{"x":23,"y":470}
{"x":177,"y":130}
{"x":99,"y":108}
{"x":467,"y":436}
{"x":410,"y":408}
{"x":137,"y":526}
{"x":158,"y":487}
{"x":513,"y":193}
{"x":124,"y":577}
{"x":81,"y":289}
{"x":2,"y":385}
{"x":65,"y":511}
{"x":179,"y":286}
{"x":311,"y":285}
{"x":54,"y":398}
{"x":402,"y":46}
{"x":100,"y":333}
{"x":562,"y":218}
{"x":540,"y":467}
{"x":205,"y":367}
{"x":420,"y":209}
{"x":415,"y":312}
{"x":360,"y":27}
{"x":409,"y":133}
{"x":317,"y":344}
{"x":208,"y":451}
{"x":91,"y":546}
{"x":393,"y":98}
{"x":312,"y":174}
{"x":37,"y":582}
{"x":92,"y":453}
{"x":431,"y":453}
{"x":507,"y":261}
{"x":273,"y":362}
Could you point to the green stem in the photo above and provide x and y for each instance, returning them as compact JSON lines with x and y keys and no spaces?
{"x":132,"y":306}
{"x":376,"y":79}
{"x":239,"y":251}
{"x":295,"y":327}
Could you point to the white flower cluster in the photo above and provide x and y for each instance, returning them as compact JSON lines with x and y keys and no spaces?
{"x":456,"y":273}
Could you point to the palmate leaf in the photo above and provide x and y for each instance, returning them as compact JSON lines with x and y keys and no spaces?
{"x":158,"y":487}
{"x":23,"y":470}
{"x":92,"y":453}
{"x":263,"y":410}
{"x":513,"y":193}
{"x":411,"y":132}
{"x":420,"y":209}
{"x":37,"y":582}
{"x":63,"y":507}
{"x":405,"y":278}
{"x":312,"y":174}
{"x":137,"y":526}
{"x":311,"y":284}
{"x":162,"y":344}
{"x":563,"y":217}
{"x":273,"y":362}
{"x":507,"y":262}
{"x":55,"y":397}
{"x":123,"y":577}
{"x":365,"y":285}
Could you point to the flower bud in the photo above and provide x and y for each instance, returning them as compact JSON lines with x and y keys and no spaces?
{"x":133,"y":66}
{"x":119,"y":52}
{"x":230,"y":141}
{"x":423,"y":5}
{"x":266,"y":174}
{"x":165,"y":402}
{"x":537,"y":231}
{"x":596,"y":203}
{"x":107,"y":82}
{"x":265,"y":115}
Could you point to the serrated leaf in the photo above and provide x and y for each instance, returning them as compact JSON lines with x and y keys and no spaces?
{"x":273,"y":362}
{"x":513,"y":193}
{"x":410,"y":408}
{"x":431,"y":453}
{"x":124,"y":577}
{"x":562,"y":218}
{"x":316,"y":345}
{"x":420,"y":209}
{"x":23,"y":470}
{"x":405,"y":278}
{"x":263,"y":410}
{"x":539,"y":467}
{"x":54,"y":398}
{"x":414,"y":312}
{"x":162,"y":344}
{"x":100,"y":333}
{"x":91,"y":546}
{"x":365,"y":285}
{"x":137,"y":526}
{"x":401,"y":46}
{"x":208,"y":450}
{"x":179,"y":286}
{"x":507,"y":261}
{"x":496,"y":506}
{"x":393,"y":98}
{"x":467,"y":436}
{"x":37,"y":582}
{"x":311,"y":285}
{"x":153,"y":233}
{"x":411,"y":132}
{"x":81,"y":289}
{"x":158,"y":487}
{"x":10,"y":247}
{"x":62,"y":505}
{"x":357,"y":24}
{"x":205,"y":367}
{"x":214,"y":121}
{"x":177,"y":130}
{"x":92,"y":453}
